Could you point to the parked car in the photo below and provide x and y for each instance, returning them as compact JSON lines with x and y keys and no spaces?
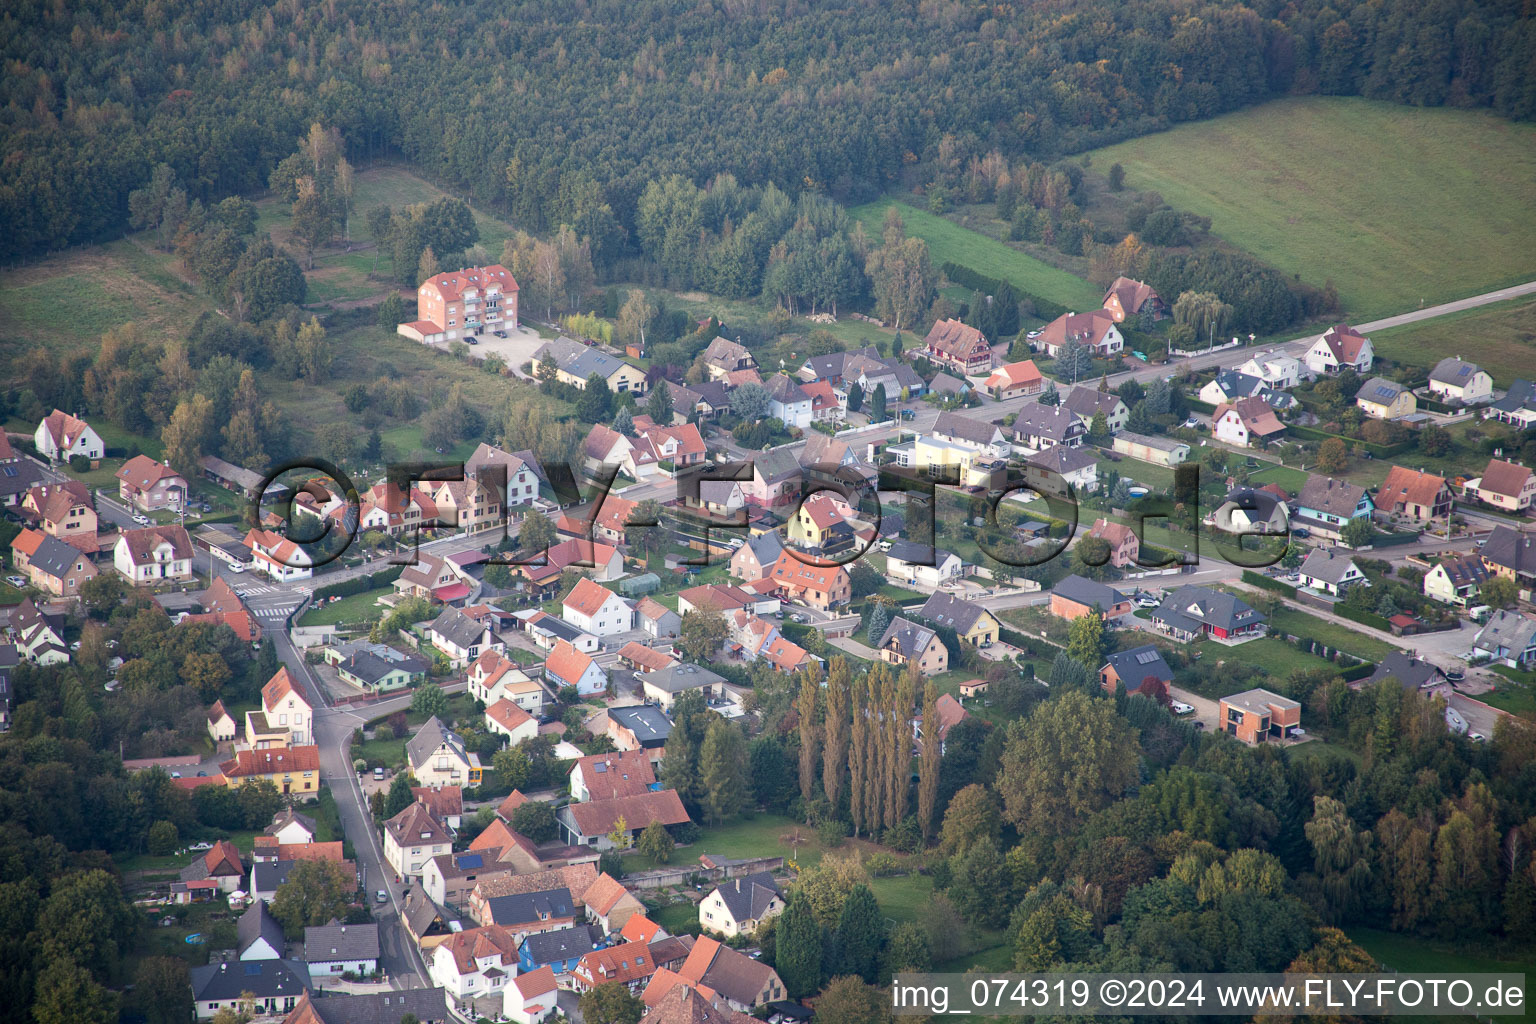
{"x":500,"y":334}
{"x":1032,"y":335}
{"x":1180,"y":708}
{"x":1146,"y":601}
{"x":471,"y":340}
{"x":1477,"y":737}
{"x":378,"y":774}
{"x":141,"y":520}
{"x":237,"y":567}
{"x":382,"y":896}
{"x":1302,"y":532}
{"x":16,"y":581}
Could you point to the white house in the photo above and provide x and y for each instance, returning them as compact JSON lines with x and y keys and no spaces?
{"x":492,"y":677}
{"x":460,"y":637}
{"x":531,"y":997}
{"x":593,"y":608}
{"x":259,"y":935}
{"x":153,"y":554}
{"x":1329,"y":570}
{"x":788,"y":402}
{"x":904,"y":563}
{"x":291,"y":827}
{"x":438,"y":757}
{"x":60,"y":436}
{"x":335,"y":949}
{"x":1341,"y":347}
{"x":278,"y":557}
{"x":1455,"y":380}
{"x":412,"y":838}
{"x":474,"y":963}
{"x":1246,"y":423}
{"x":507,"y":719}
{"x":285,"y":718}
{"x":738,"y":906}
{"x":1277,"y":370}
{"x":566,"y":666}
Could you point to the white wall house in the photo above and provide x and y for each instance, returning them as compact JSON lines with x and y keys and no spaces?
{"x":593,"y":608}
{"x":60,"y":436}
{"x":946,"y":565}
{"x":1455,"y":380}
{"x":1277,"y":370}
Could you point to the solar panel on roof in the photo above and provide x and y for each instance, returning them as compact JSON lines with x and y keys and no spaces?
{"x":251,"y":969}
{"x":471,"y":860}
{"x":1146,"y":657}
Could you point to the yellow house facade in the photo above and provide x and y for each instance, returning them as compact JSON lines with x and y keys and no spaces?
{"x":1385,"y":399}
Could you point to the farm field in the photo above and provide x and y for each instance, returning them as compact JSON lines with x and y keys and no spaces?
{"x":1500,"y":338}
{"x":1299,"y":184}
{"x":948,"y":241}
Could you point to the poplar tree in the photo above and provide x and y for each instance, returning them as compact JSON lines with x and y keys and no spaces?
{"x":858,"y":753}
{"x":834,"y":761}
{"x":805,"y":705}
{"x":723,"y":771}
{"x":906,"y":699}
{"x":928,"y":765}
{"x":875,"y":772}
{"x":891,"y":761}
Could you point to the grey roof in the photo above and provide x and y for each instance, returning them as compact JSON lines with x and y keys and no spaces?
{"x":559,"y":628}
{"x":766,"y":547}
{"x":225,"y":982}
{"x":647,"y":722}
{"x":1088,"y":592}
{"x":1190,"y":607}
{"x":1511,"y":549}
{"x":1135,"y":664}
{"x":914,"y":553}
{"x":428,"y":1005}
{"x":1162,"y":444}
{"x":834,"y":364}
{"x":952,"y":424}
{"x":1260,"y":701}
{"x":1508,"y":630}
{"x":775,"y":464}
{"x":682,"y":676}
{"x":1054,"y":423}
{"x":561,"y":944}
{"x":335,"y":941}
{"x":726,"y":353}
{"x":1521,"y":395}
{"x":258,"y":923}
{"x":247,"y":480}
{"x":1259,"y":506}
{"x":1453,"y":371}
{"x":717,"y":491}
{"x":1238,"y":385}
{"x":527,"y":907}
{"x":580,"y":360}
{"x":1327,"y":564}
{"x":371,"y":668}
{"x":712,"y":392}
{"x":951,"y":611}
{"x":1325,"y":494}
{"x":1062,"y":458}
{"x":267,"y":875}
{"x":287,"y":815}
{"x":1464,"y":570}
{"x":420,"y":912}
{"x":1085,"y":401}
{"x":784,"y":390}
{"x":1379,"y":389}
{"x":911,"y":639}
{"x":948,"y":385}
{"x":432,"y":734}
{"x":747,"y":897}
{"x":55,"y":557}
{"x":1412,"y":673}
{"x":457,"y":628}
{"x":18,"y":477}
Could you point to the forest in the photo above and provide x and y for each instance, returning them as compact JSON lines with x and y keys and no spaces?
{"x":554,"y":111}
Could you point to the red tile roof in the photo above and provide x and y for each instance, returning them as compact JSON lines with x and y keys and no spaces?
{"x":1408,"y":487}
{"x":508,"y":715}
{"x":143,"y":472}
{"x":452,"y":284}
{"x":278,"y":687}
{"x":1011,"y":375}
{"x":955,"y":340}
{"x":1504,"y":478}
{"x":597,"y":817}
{"x":587,"y":597}
{"x":566,"y":664}
{"x":616,"y":774}
{"x":272,"y":761}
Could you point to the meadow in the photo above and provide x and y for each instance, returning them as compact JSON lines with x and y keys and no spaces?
{"x":950,"y":242}
{"x":1500,"y":338}
{"x":1402,"y":207}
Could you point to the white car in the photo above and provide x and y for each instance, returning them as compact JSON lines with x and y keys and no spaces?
{"x":16,"y":581}
{"x":1477,"y":737}
{"x":1032,"y":335}
{"x":1146,"y":601}
{"x":237,"y":567}
{"x":141,"y":520}
{"x":1180,"y":708}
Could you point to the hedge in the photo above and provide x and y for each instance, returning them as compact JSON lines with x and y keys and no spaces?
{"x":1199,"y":406}
{"x":1380,"y":451}
{"x":975,"y":280}
{"x":1268,"y":583}
{"x":359,"y":584}
{"x":1359,"y":671}
{"x":1364,"y":618}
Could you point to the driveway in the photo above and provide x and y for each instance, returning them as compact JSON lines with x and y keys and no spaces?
{"x":1207,"y":711}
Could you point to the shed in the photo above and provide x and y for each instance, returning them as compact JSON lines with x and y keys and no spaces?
{"x":645,"y":583}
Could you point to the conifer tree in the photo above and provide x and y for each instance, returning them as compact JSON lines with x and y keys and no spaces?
{"x":858,"y":752}
{"x":834,"y":760}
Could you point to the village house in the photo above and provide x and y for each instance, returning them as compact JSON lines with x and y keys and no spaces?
{"x":1413,"y":493}
{"x":1276,"y":370}
{"x":949,"y":712}
{"x":1131,"y":668}
{"x":1511,"y":554}
{"x":595,"y":609}
{"x":675,"y":1001}
{"x":1086,"y":402}
{"x":1192,"y":611}
{"x":507,"y":719}
{"x":461,"y":304}
{"x":1384,"y":399}
{"x":663,"y":685}
{"x":959,"y":347}
{"x":149,"y":486}
{"x":51,"y":565}
{"x":1455,"y":380}
{"x":1341,"y":347}
{"x":285,"y":718}
{"x":393,"y":509}
{"x":591,"y":823}
{"x":221,"y":863}
{"x":575,"y":363}
{"x":919,"y":565}
{"x":1508,"y":638}
{"x":438,"y":757}
{"x":973,"y":434}
{"x":814,"y":586}
{"x":1228,"y":386}
{"x":1159,"y":451}
{"x":528,"y":913}
{"x":474,"y":963}
{"x":822,"y":523}
{"x":1012,"y":380}
{"x":1410,"y":673}
{"x":531,"y":997}
{"x":905,"y":642}
{"x":1055,"y":469}
{"x":640,"y":659}
{"x":1517,"y":407}
{"x":334,"y":949}
{"x":738,"y":906}
{"x":566,"y":666}
{"x":1095,"y":330}
{"x":656,"y":619}
{"x":38,"y":635}
{"x":376,"y":668}
{"x":1326,"y":505}
{"x":1038,"y":427}
{"x":517,"y":474}
{"x":776,"y":479}
{"x":293,"y":770}
{"x":756,"y":557}
{"x":742,"y":982}
{"x":1257,"y":716}
{"x":559,"y":950}
{"x":1455,"y":580}
{"x":1127,"y":298}
{"x":60,"y":437}
{"x":278,"y":557}
{"x":787,"y":402}
{"x":413,"y":837}
{"x":606,"y":776}
{"x":63,"y":511}
{"x":492,"y":677}
{"x":1330,"y":570}
{"x":1124,"y":546}
{"x":221,"y":726}
{"x":433,"y":578}
{"x":724,"y":356}
{"x":1504,"y":485}
{"x":1076,"y":596}
{"x":1247,"y":423}
{"x":154,"y":554}
{"x":636,"y":727}
{"x":264,"y":987}
{"x":609,"y":905}
{"x":470,"y":504}
{"x":460,"y":637}
{"x":628,"y":964}
{"x":971,"y":622}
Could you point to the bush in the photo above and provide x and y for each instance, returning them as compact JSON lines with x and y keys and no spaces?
{"x":832,"y":833}
{"x":685,"y":833}
{"x":880,"y":864}
{"x":163,"y":839}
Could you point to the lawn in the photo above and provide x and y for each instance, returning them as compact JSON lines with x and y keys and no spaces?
{"x":1270,"y":653}
{"x":949,"y":242}
{"x":1371,"y":195}
{"x":759,"y":836}
{"x":1500,"y":338}
{"x":353,"y":608}
{"x":1344,"y":638}
{"x":1288,"y":477}
{"x":1515,"y":693}
{"x":1414,"y":955}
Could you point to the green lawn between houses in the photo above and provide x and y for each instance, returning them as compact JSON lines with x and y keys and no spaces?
{"x":1299,"y":184}
{"x":350,"y":609}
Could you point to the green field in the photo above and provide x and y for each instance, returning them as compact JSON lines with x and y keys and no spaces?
{"x":353,"y":608}
{"x":1270,"y":653}
{"x":1411,"y":954}
{"x":1344,"y":638}
{"x":949,"y":242}
{"x":1401,"y":207}
{"x":763,"y":835}
{"x":1500,"y":338}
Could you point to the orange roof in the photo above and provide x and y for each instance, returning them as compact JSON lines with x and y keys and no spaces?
{"x":1506,"y":478}
{"x":495,"y":836}
{"x":639,"y":928}
{"x":278,"y":687}
{"x":475,"y":944}
{"x":954,"y":339}
{"x":646,"y":659}
{"x":26,"y":542}
{"x":587,"y":597}
{"x":615,"y":512}
{"x":445,"y":802}
{"x":514,"y":800}
{"x":310,"y":851}
{"x":535,"y":983}
{"x":454,"y":283}
{"x":64,"y":428}
{"x":664,"y":981}
{"x":566,"y":663}
{"x":790,"y":571}
{"x":825,"y":509}
{"x":1115,"y":533}
{"x":507,"y":714}
{"x":1344,"y":342}
{"x":216,"y":779}
{"x":1013,"y":374}
{"x":603,"y":894}
{"x":1088,"y":328}
{"x":821,"y":394}
{"x":1408,"y":487}
{"x":615,"y":774}
{"x":142,"y":471}
{"x":624,"y":963}
{"x":783,"y":654}
{"x":273,"y":761}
